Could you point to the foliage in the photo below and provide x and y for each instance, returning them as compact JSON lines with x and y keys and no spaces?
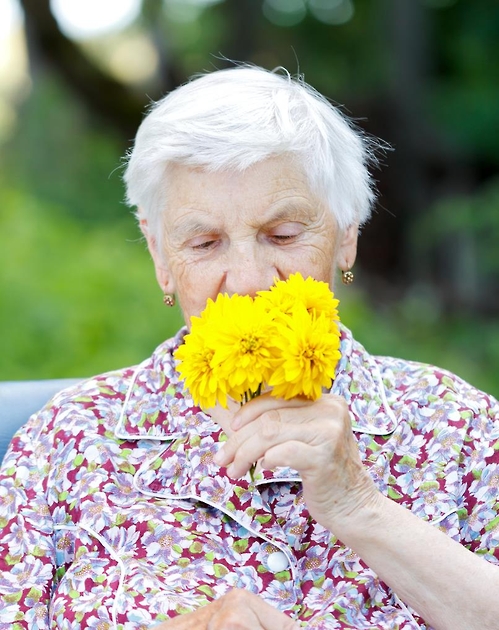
{"x":62,"y":156}
{"x":475,"y":216}
{"x":74,"y":300}
{"x":465,"y":91}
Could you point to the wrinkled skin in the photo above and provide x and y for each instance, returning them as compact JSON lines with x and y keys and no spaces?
{"x":229,"y":232}
{"x":315,"y":438}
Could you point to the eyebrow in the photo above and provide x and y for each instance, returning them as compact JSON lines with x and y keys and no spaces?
{"x":190,"y":229}
{"x":290,"y":212}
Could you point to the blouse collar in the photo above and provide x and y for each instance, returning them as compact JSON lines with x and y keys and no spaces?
{"x":157,"y":408}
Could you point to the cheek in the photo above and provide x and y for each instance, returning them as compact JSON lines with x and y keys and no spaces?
{"x":194,"y":284}
{"x":324,"y":256}
{"x":314,"y":260}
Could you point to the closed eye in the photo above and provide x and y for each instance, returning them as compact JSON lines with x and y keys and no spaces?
{"x":283,"y":237}
{"x":285,"y":232}
{"x":203,"y":242}
{"x":204,"y":245}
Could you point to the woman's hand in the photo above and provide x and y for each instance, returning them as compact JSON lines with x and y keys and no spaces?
{"x":450,"y":587}
{"x":313,"y":437}
{"x":237,"y":610}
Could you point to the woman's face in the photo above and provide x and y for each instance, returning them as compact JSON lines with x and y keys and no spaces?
{"x":230,"y":232}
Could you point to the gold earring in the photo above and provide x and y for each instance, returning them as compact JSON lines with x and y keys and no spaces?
{"x":347,"y":277}
{"x":169,"y":299}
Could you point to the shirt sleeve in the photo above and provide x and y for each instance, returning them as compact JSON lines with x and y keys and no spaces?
{"x":479,"y":514}
{"x":27,"y":554}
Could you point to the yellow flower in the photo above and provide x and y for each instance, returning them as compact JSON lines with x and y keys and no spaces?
{"x":315,"y":295}
{"x":309,"y":347}
{"x":203,"y":381}
{"x":194,"y":357}
{"x":242,"y":332}
{"x":229,"y":351}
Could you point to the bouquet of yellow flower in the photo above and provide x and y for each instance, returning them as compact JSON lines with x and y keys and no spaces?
{"x":286,"y":339}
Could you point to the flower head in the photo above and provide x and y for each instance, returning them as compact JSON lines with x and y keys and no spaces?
{"x":194,"y":356}
{"x":309,"y":347}
{"x":314,"y":295}
{"x":243,"y":336}
{"x":201,"y":379}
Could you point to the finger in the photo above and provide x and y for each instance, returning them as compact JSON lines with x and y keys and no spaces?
{"x":246,"y":444}
{"x":261,"y":404}
{"x":254,"y":441}
{"x":224,"y":416}
{"x":257,"y":406}
{"x":297,"y":455}
{"x":325,"y":421}
{"x":196,"y":620}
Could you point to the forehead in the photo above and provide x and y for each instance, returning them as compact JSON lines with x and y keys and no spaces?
{"x":275,"y":189}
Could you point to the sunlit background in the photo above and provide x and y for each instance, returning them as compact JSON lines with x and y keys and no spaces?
{"x":77,"y":290}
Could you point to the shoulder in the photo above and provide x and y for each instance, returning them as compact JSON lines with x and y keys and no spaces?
{"x":428,"y":391}
{"x":93,"y":405}
{"x":406,"y":380}
{"x":416,"y":378}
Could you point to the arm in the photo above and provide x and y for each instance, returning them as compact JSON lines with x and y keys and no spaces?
{"x":449,"y":586}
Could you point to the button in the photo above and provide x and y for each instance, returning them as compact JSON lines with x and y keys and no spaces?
{"x":277,"y":561}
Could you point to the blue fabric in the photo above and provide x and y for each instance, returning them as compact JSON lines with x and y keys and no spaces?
{"x":19,"y":399}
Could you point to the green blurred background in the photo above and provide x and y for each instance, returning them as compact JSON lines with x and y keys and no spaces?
{"x":77,"y":288}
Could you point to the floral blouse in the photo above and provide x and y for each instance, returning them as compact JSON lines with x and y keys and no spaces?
{"x":113,"y":514}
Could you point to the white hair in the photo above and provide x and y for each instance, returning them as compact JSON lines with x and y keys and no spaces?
{"x":233,"y":118}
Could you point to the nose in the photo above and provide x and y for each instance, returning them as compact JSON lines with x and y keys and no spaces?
{"x":248,"y":271}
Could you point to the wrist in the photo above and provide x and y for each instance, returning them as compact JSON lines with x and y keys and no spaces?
{"x":366,"y":514}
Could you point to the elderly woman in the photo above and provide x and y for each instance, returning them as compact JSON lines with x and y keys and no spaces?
{"x":125,"y":506}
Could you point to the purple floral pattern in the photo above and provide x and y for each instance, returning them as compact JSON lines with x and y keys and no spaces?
{"x":114,"y":515}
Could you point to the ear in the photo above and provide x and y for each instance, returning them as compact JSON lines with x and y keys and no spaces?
{"x":163,"y":274}
{"x":347,"y":247}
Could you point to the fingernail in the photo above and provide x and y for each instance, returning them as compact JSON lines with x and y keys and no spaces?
{"x":219,"y":457}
